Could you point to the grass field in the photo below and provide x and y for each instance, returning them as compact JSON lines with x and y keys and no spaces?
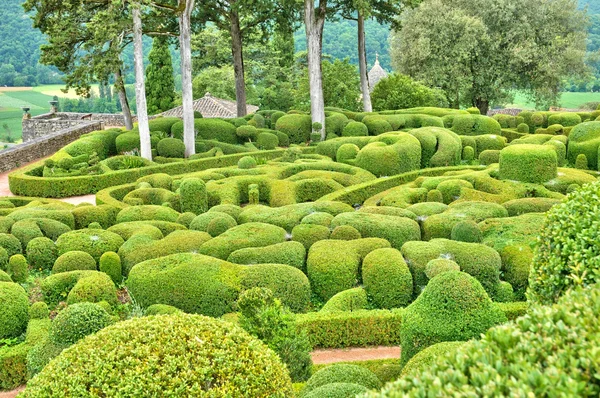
{"x":567,"y":100}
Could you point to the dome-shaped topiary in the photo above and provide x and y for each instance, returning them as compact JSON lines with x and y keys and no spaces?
{"x":438,"y":265}
{"x":110,"y":264}
{"x":345,"y":232}
{"x":247,"y":162}
{"x":73,"y":261}
{"x":247,"y":132}
{"x":354,"y":129}
{"x":468,"y":153}
{"x":565,"y":256}
{"x":267,"y":141}
{"x":191,"y":355}
{"x":337,"y":390}
{"x":171,"y":148}
{"x":161,"y":309}
{"x":346,"y":152}
{"x":347,"y":300}
{"x":387,"y":278}
{"x":452,"y":307}
{"x":77,"y":321}
{"x":92,"y":241}
{"x":41,"y":253}
{"x":342,"y":373}
{"x":581,"y":162}
{"x":15,"y":310}
{"x":18,"y":269}
{"x":39,"y":310}
{"x":523,"y":128}
{"x":466,"y":231}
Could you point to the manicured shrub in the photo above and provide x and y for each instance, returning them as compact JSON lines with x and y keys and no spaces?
{"x":297,"y":127}
{"x":79,"y":286}
{"x":201,"y":221}
{"x":337,"y":390}
{"x":287,"y":283}
{"x":354,"y":299}
{"x":4,"y":277}
{"x":103,"y":214}
{"x":246,"y":235}
{"x":237,"y":362}
{"x":391,"y":154}
{"x":147,"y":213}
{"x":435,"y":196}
{"x":585,"y":139}
{"x":439,"y":265}
{"x":161,"y":309}
{"x":387,"y":279}
{"x":566,"y":119}
{"x":472,"y":124}
{"x":110,"y":264}
{"x":568,"y":225}
{"x":489,"y":156}
{"x":246,"y":132}
{"x":318,"y":218}
{"x":11,"y":244}
{"x":342,"y":373}
{"x":204,"y":285}
{"x":523,"y":128}
{"x":247,"y":162}
{"x":263,"y":316}
{"x":128,"y":229}
{"x":15,"y":310}
{"x":424,"y":359}
{"x":18,"y":269}
{"x":290,"y":253}
{"x":332,"y":267}
{"x":127,"y":142}
{"x":171,"y":148}
{"x":453,"y":307}
{"x":468,"y":153}
{"x":158,"y":180}
{"x":346,"y":153}
{"x":377,"y":125}
{"x":267,"y":141}
{"x":73,"y":261}
{"x":345,"y":232}
{"x":581,"y":162}
{"x":77,"y":321}
{"x":522,"y":362}
{"x":3,"y":259}
{"x":193,"y":195}
{"x":517,"y":207}
{"x":466,"y":231}
{"x":215,"y":129}
{"x":354,"y":129}
{"x":528,"y":163}
{"x":92,"y":241}
{"x":39,"y":310}
{"x":308,"y":234}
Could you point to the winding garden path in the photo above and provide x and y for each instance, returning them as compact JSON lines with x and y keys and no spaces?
{"x":321,"y":357}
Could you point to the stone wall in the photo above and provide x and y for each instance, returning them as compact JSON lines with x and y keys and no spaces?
{"x":42,"y":125}
{"x":510,"y":111}
{"x":40,"y":147}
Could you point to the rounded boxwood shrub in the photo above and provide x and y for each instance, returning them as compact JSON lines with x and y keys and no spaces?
{"x":290,"y":253}
{"x":289,"y":284}
{"x":267,"y":141}
{"x":489,"y":156}
{"x":523,"y":128}
{"x":466,"y":231}
{"x":15,"y":310}
{"x":73,"y":261}
{"x":308,"y":234}
{"x":342,"y":373}
{"x":354,"y":129}
{"x":221,"y":359}
{"x":423,"y":360}
{"x":438,"y":265}
{"x":387,"y":279}
{"x":18,"y":269}
{"x":252,"y":234}
{"x":4,"y":277}
{"x":337,"y":390}
{"x":345,"y":232}
{"x":190,"y":282}
{"x":247,"y":132}
{"x":452,"y":307}
{"x":581,"y":162}
{"x":354,"y":299}
{"x":77,"y":321}
{"x":161,"y":309}
{"x":171,"y":148}
{"x":11,"y":244}
{"x":318,"y":218}
{"x":468,"y":153}
{"x":547,"y":352}
{"x":147,"y":213}
{"x":528,"y":163}
{"x":216,"y":129}
{"x":3,"y":259}
{"x":435,"y":195}
{"x":246,"y":162}
{"x":218,"y":226}
{"x":297,"y":127}
{"x":585,"y":139}
{"x":93,"y":241}
{"x":564,"y":257}
{"x":127,"y":142}
{"x":346,"y":153}
{"x":79,"y":286}
{"x":193,"y":195}
{"x":39,"y":310}
{"x":110,"y":264}
{"x":332,"y":266}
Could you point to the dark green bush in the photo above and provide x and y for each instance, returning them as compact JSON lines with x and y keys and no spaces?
{"x":226,"y":360}
{"x":92,"y":241}
{"x":387,"y":279}
{"x":110,"y":264}
{"x":354,"y":129}
{"x":215,"y":129}
{"x":77,"y":321}
{"x":11,"y":244}
{"x":171,"y":148}
{"x":18,"y":269}
{"x":466,"y":231}
{"x":267,"y":141}
{"x":377,"y":125}
{"x":15,"y":310}
{"x":193,"y":195}
{"x":453,"y":307}
{"x":73,"y":261}
{"x":398,"y":91}
{"x":128,"y":142}
{"x":297,"y":127}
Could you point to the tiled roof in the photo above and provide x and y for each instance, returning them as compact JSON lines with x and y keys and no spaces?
{"x":210,"y":106}
{"x":376,"y":74}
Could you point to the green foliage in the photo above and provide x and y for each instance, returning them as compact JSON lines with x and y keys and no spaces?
{"x":297,"y":127}
{"x":161,"y":309}
{"x":424,"y":359}
{"x":215,"y":129}
{"x":77,"y":321}
{"x":110,"y":264}
{"x":398,"y":91}
{"x":39,"y":310}
{"x":387,"y":279}
{"x":581,"y":162}
{"x":264,"y":317}
{"x":514,"y":359}
{"x":267,"y":141}
{"x":243,"y":362}
{"x":160,"y":85}
{"x":290,"y":253}
{"x":73,"y":261}
{"x":15,"y":310}
{"x":18,"y":269}
{"x":453,"y":307}
{"x":563,"y":257}
{"x":337,"y":390}
{"x":247,"y":162}
{"x":342,"y":373}
{"x":79,"y":286}
{"x":251,"y":234}
{"x":585,"y":139}
{"x":466,"y":231}
{"x":354,"y":299}
{"x":528,"y":163}
{"x":92,"y":241}
{"x":171,"y":148}
{"x":438,"y":265}
{"x":354,"y":129}
{"x":193,"y":195}
{"x":390,"y":154}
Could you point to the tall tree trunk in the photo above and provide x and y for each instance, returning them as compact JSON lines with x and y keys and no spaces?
{"x":483,"y":105}
{"x":120,"y":86}
{"x":314,"y":35}
{"x":185,"y":46}
{"x":140,"y":86}
{"x":238,"y":64}
{"x":362,"y":65}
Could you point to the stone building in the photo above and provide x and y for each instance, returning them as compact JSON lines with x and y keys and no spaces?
{"x":376,"y":74}
{"x":210,"y":106}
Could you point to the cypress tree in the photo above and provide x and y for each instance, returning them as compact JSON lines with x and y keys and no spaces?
{"x":160,"y":85}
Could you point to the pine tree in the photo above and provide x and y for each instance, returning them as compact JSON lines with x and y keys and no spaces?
{"x":160,"y":85}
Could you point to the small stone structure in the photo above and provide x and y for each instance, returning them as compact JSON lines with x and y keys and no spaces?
{"x":210,"y":106}
{"x":49,"y":123}
{"x":376,"y":74}
{"x":39,"y":147}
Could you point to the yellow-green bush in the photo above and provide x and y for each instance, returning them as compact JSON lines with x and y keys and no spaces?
{"x":387,"y":278}
{"x":528,"y":163}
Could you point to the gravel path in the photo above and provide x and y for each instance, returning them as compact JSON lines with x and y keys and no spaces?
{"x":320,"y":357}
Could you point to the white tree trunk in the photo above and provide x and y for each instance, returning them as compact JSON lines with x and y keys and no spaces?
{"x":120,"y":86}
{"x":362,"y":65}
{"x":185,"y":46}
{"x":140,"y":86}
{"x":314,"y":35}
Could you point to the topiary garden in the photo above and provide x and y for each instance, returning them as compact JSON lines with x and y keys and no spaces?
{"x":449,"y":233}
